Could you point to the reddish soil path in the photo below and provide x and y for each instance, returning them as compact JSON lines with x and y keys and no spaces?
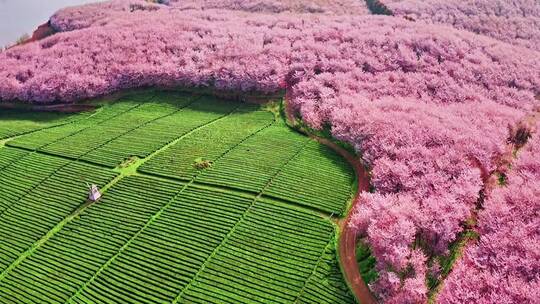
{"x":347,"y":238}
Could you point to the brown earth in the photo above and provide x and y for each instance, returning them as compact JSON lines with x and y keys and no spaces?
{"x":348,"y":237}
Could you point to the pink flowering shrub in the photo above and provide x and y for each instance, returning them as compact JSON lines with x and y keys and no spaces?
{"x":97,"y":14}
{"x":208,"y":48}
{"x":426,"y":184}
{"x":424,"y":105}
{"x":340,"y":7}
{"x":103,"y":13}
{"x":504,"y":266}
{"x":516,"y":22}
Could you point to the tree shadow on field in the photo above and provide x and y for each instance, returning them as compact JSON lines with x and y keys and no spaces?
{"x":179,"y":99}
{"x":32,"y":116}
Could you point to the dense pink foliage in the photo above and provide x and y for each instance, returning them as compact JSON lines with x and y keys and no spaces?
{"x":97,"y":14}
{"x":426,"y":184}
{"x":516,"y":21}
{"x":103,"y":13}
{"x":377,"y":56}
{"x":354,"y":7}
{"x":504,"y":266}
{"x":422,"y":104}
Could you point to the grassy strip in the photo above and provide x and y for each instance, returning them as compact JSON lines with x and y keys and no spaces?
{"x":29,"y":190}
{"x":447,"y":262}
{"x":366,"y":262}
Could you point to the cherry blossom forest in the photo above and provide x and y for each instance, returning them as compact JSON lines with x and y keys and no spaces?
{"x":439,"y":99}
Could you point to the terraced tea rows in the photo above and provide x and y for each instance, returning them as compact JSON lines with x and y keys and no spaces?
{"x":16,"y":122}
{"x":24,"y":174}
{"x":302,"y":182}
{"x":326,"y":283}
{"x":209,"y":143}
{"x":189,"y":244}
{"x":267,"y":258}
{"x":205,"y":215}
{"x":42,"y":138}
{"x":38,"y":192}
{"x":8,"y":156}
{"x":175,"y":246}
{"x":69,"y":259}
{"x":89,"y":140}
{"x":260,"y":157}
{"x":151,"y":136}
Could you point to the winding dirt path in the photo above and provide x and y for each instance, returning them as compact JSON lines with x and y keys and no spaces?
{"x":347,"y":238}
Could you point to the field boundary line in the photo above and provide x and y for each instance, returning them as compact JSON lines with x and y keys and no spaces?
{"x":237,"y":192}
{"x":65,"y":157}
{"x":232,"y":230}
{"x":156,"y":215}
{"x":179,"y":138}
{"x":126,"y":244}
{"x":196,"y":184}
{"x":316,"y":267}
{"x":34,"y":186}
{"x":128,"y":131}
{"x":69,"y":121}
{"x":137,"y":105}
{"x":4,"y":141}
{"x":81,"y":130}
{"x":242,"y":141}
{"x":79,"y":158}
{"x":72,"y":158}
{"x":175,"y":141}
{"x":15,"y":160}
{"x":247,"y":193}
{"x":28,"y":252}
{"x":134,"y":129}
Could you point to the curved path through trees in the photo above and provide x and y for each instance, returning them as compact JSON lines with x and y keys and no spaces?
{"x":347,"y":237}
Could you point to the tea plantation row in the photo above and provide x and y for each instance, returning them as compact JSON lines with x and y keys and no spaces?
{"x":249,"y":226}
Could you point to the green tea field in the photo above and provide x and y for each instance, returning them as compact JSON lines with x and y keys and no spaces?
{"x":204,"y":201}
